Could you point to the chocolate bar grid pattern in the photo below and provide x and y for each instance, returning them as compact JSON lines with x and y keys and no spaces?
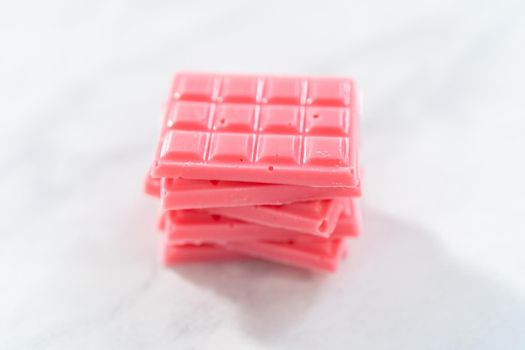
{"x":271,"y":121}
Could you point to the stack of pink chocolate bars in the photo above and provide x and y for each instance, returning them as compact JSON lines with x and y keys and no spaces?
{"x":258,"y":166}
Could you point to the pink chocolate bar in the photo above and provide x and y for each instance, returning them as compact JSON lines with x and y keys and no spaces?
{"x":179,"y":194}
{"x":190,"y":253}
{"x":198,"y":194}
{"x":323,"y":256}
{"x":265,"y":129}
{"x":189,"y":226}
{"x":314,"y":217}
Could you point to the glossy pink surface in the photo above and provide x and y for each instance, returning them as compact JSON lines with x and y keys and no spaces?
{"x":191,"y":253}
{"x":259,"y":166}
{"x":194,"y":194}
{"x":314,"y":217}
{"x":319,"y":256}
{"x":189,"y":226}
{"x":280,"y":130}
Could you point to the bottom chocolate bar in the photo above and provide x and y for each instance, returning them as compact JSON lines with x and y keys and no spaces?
{"x":190,"y":253}
{"x":313,"y":256}
{"x":320,"y":256}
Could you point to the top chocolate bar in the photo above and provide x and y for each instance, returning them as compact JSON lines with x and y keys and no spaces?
{"x":267,"y":129}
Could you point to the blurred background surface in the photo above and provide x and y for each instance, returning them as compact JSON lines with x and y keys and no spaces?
{"x":440,"y":264}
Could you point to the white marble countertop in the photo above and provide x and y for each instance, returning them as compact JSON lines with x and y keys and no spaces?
{"x":440,"y":264}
